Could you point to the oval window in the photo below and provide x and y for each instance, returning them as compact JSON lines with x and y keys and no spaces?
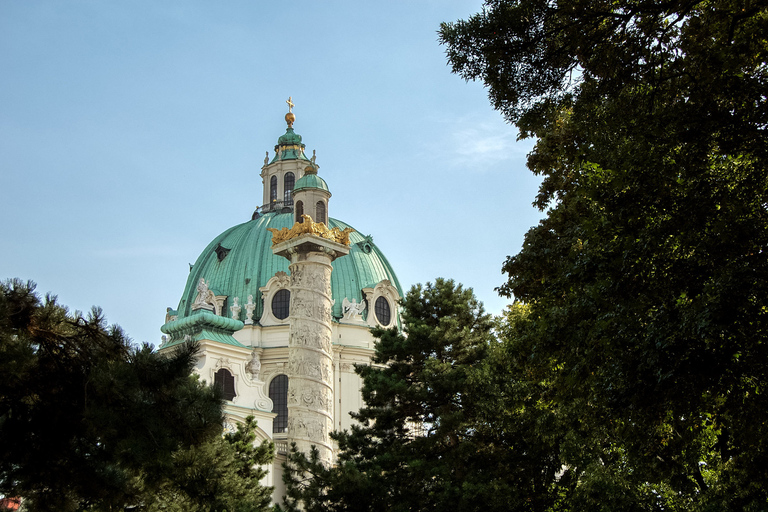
{"x":281,"y":304}
{"x":383,"y":312}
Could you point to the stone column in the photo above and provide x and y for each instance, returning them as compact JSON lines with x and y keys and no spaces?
{"x":310,"y":357}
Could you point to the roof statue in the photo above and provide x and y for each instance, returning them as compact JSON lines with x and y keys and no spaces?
{"x":309,"y":227}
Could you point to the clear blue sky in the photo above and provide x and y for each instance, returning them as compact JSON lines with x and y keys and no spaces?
{"x":132,"y":133}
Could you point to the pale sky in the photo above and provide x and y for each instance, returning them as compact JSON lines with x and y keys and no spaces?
{"x":132,"y":133}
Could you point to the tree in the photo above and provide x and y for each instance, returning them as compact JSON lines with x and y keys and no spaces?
{"x":221,"y":474}
{"x":648,"y":278}
{"x":89,"y":421}
{"x":439,"y":430}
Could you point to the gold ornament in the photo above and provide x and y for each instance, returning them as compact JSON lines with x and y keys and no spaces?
{"x":309,"y":227}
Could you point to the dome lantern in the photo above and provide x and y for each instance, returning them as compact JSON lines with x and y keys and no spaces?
{"x":280,"y":174}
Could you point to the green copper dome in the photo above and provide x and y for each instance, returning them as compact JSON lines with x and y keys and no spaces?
{"x":289,"y":137}
{"x":240,"y":261}
{"x":289,"y":147}
{"x":310,"y":180}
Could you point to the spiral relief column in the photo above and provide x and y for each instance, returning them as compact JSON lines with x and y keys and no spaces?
{"x":310,"y":357}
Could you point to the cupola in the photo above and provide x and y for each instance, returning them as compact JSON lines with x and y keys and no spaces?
{"x":280,"y":174}
{"x":310,"y":196}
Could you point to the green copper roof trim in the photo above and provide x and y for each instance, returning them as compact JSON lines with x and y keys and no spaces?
{"x":310,"y":181}
{"x":250,"y":264}
{"x":220,"y":337}
{"x":202,"y":318}
{"x":205,"y":334}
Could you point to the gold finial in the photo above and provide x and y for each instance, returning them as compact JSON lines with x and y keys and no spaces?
{"x":290,"y":117}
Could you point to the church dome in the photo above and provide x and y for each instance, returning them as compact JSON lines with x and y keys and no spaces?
{"x":289,"y":137}
{"x":240,"y":261}
{"x":311,"y":180}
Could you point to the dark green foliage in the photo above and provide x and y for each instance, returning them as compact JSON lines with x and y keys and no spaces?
{"x":441,"y":428}
{"x":220,"y":475}
{"x":648,"y":279}
{"x":89,"y":421}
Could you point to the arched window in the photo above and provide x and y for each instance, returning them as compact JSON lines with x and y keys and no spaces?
{"x":278,"y":393}
{"x":224,"y":380}
{"x":273,"y":189}
{"x":320,"y":212}
{"x":281,"y":304}
{"x":383,"y":312}
{"x":288,"y":182}
{"x":299,"y":211}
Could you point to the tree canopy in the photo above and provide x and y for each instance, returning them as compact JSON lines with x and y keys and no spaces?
{"x":647,"y":280}
{"x":89,"y":421}
{"x":222,"y":474}
{"x":442,"y":428}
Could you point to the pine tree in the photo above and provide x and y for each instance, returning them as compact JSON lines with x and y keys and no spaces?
{"x":443,"y":427}
{"x":89,"y":421}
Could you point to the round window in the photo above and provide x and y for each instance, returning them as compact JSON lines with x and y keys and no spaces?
{"x":281,"y":304}
{"x":383,"y":313}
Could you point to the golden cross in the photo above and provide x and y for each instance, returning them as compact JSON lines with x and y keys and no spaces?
{"x":290,"y":104}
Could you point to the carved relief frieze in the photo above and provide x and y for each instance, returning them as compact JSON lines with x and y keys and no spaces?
{"x":314,"y":277}
{"x":314,"y":429}
{"x":297,"y":275}
{"x":309,"y":336}
{"x":302,"y":304}
{"x":308,"y":366}
{"x":324,"y":312}
{"x":312,"y":395}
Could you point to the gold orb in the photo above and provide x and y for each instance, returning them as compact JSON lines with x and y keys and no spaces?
{"x":290,"y":118}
